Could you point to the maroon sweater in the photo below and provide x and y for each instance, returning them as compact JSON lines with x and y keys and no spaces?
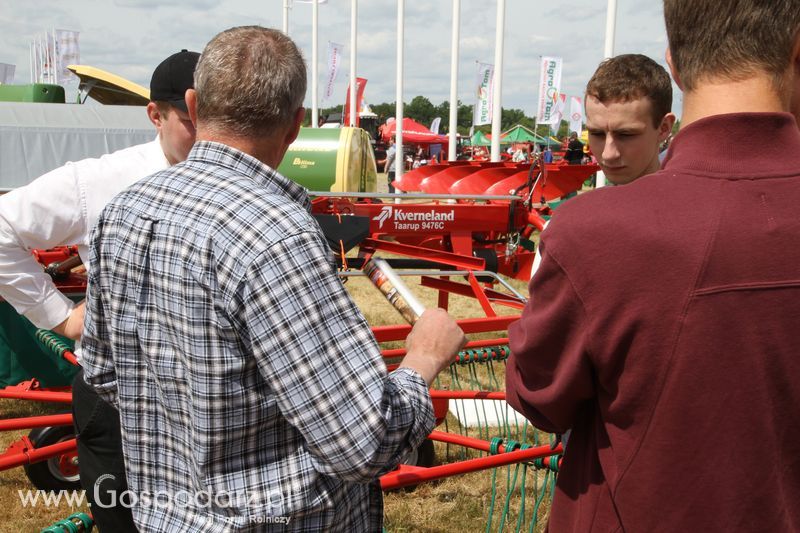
{"x":664,"y":329}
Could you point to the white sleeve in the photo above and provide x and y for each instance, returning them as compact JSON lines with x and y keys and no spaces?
{"x":45,"y":213}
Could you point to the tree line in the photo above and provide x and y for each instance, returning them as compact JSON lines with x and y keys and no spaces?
{"x":422,"y":110}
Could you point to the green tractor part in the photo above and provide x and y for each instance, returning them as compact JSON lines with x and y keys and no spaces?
{"x":75,"y":523}
{"x":331,"y":160}
{"x":43,"y":93}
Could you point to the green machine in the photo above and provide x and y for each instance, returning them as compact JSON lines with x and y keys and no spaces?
{"x":331,"y":160}
{"x":42,"y":93}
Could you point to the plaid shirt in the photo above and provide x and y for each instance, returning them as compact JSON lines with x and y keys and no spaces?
{"x":244,"y":373}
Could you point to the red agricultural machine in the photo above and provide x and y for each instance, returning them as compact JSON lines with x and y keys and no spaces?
{"x":458,"y":227}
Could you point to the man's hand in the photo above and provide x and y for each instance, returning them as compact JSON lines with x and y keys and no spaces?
{"x":72,"y":327}
{"x":432,"y":344}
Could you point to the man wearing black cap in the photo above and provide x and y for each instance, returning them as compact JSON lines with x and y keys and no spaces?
{"x":61,"y":207}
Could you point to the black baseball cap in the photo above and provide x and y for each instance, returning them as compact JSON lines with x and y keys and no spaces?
{"x":172,"y":77}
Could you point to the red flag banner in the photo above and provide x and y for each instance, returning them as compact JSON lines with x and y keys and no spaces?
{"x":360,"y":83}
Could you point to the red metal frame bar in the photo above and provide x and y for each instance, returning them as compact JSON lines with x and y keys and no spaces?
{"x":480,"y":295}
{"x":70,"y":357}
{"x":30,"y":455}
{"x":454,"y":287}
{"x":437,"y":394}
{"x":468,"y":325}
{"x":400,"y":352}
{"x":461,"y":262}
{"x":36,"y":395}
{"x":413,"y":476}
{"x":14,"y":424}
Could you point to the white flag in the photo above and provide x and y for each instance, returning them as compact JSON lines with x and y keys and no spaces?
{"x":549,"y":87}
{"x":334,"y":58}
{"x":435,"y":125}
{"x":45,"y":58}
{"x":7,"y":73}
{"x":67,"y":52}
{"x":557,"y":113}
{"x":482,"y":114}
{"x":575,"y":114}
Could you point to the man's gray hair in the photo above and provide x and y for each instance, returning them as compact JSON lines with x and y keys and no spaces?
{"x":249,"y":81}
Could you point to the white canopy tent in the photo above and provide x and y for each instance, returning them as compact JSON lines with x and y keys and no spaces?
{"x":37,"y":138}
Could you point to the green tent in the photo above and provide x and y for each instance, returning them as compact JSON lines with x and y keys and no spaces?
{"x":479,"y":139}
{"x":519,"y":134}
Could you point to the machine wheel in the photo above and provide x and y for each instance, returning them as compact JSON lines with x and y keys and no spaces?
{"x":423,"y":456}
{"x":56,"y":473}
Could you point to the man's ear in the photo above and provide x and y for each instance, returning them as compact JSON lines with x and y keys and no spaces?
{"x":794,"y":81}
{"x":154,"y":114}
{"x":191,"y":105}
{"x":672,"y":70}
{"x":294,"y":131}
{"x":665,"y":128}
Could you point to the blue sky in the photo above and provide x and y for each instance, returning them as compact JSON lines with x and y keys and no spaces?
{"x":130,"y":37}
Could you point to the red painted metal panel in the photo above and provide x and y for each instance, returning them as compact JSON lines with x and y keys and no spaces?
{"x":480,"y":181}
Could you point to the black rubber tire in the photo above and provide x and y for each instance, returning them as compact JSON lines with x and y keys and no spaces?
{"x":46,"y":475}
{"x":424,"y":456}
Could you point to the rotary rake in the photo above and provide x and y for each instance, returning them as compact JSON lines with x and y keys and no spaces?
{"x":457,"y":228}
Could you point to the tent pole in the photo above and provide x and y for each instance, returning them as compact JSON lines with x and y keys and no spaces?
{"x":453,"y":132}
{"x":314,"y":80}
{"x":400,"y":159}
{"x":611,"y":23}
{"x":353,"y":43}
{"x":497,"y":88}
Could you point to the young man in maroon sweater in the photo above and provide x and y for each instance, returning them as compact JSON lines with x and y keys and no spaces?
{"x":628,"y":115}
{"x":665,"y":332}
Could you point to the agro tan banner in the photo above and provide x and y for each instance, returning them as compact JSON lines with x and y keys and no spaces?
{"x":549,"y":88}
{"x":575,"y":114}
{"x":482,"y":113}
{"x":334,"y":58}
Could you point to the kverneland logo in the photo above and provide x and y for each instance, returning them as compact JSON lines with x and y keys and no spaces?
{"x":386,"y":212}
{"x":404,"y":215}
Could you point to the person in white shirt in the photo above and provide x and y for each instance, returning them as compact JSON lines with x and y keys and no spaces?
{"x":61,"y":208}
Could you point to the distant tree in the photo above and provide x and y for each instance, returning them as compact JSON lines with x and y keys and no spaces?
{"x":464,"y":118}
{"x":383,"y":110}
{"x":420,"y":109}
{"x":510,"y":117}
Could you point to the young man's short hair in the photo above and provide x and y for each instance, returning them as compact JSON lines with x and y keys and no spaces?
{"x":164,"y":108}
{"x":730,"y":40}
{"x":630,"y":77}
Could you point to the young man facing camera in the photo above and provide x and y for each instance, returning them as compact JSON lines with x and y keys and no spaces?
{"x":628,"y":103}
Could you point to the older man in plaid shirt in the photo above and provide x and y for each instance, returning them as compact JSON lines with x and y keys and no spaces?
{"x":252,"y":393}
